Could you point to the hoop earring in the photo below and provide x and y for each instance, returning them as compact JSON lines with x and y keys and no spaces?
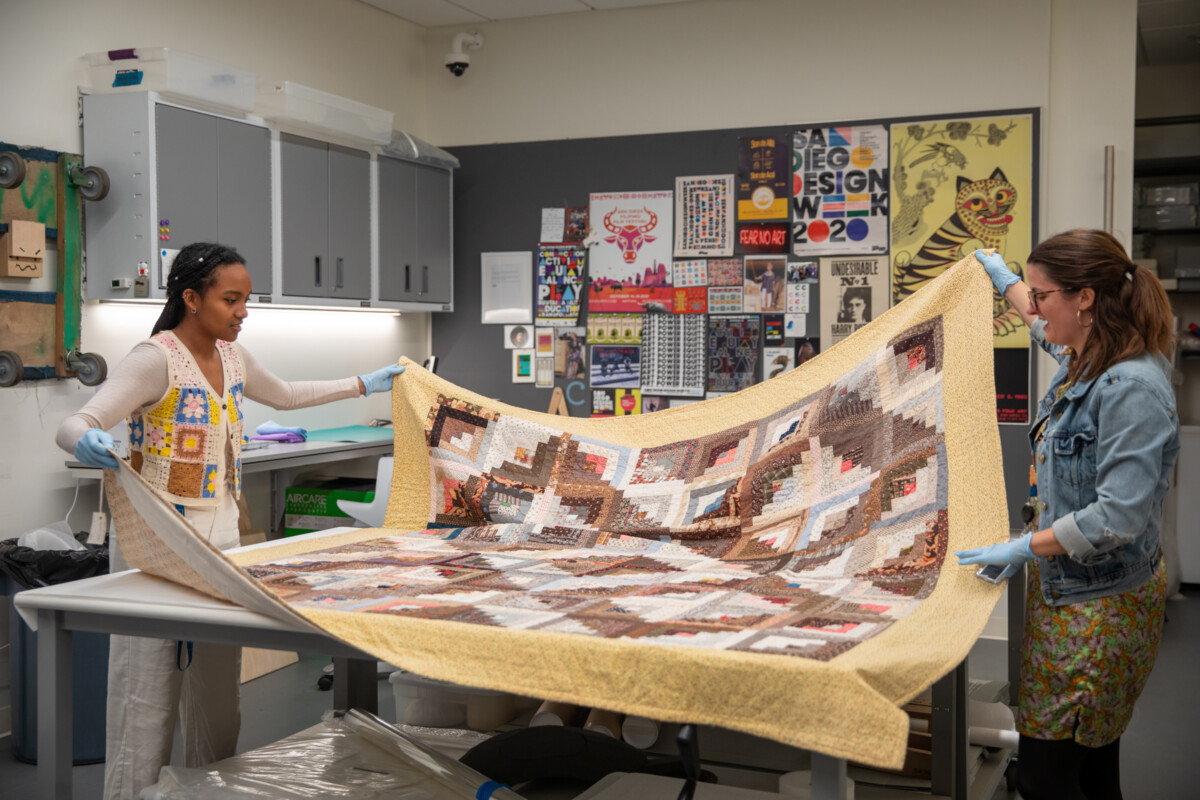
{"x":193,"y":310}
{"x":1091,"y":320}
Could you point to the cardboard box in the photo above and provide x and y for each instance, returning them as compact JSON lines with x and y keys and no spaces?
{"x":313,"y":507}
{"x":22,"y":249}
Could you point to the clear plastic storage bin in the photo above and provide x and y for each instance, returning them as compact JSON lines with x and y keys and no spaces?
{"x":324,"y":112}
{"x":437,"y":704}
{"x":172,"y":72}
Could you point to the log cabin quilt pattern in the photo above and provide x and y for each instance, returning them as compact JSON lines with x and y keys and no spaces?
{"x":773,"y":561}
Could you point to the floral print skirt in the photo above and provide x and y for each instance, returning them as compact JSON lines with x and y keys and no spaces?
{"x":1084,"y":665}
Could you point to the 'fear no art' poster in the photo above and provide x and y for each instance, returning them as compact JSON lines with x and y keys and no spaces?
{"x":630,"y":266}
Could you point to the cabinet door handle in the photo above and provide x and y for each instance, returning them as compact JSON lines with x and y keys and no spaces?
{"x":339,"y":274}
{"x":317,"y":260}
{"x":425,"y":280}
{"x":407,"y":278}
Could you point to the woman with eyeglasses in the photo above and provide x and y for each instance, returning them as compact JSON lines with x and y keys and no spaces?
{"x":1104,"y":442}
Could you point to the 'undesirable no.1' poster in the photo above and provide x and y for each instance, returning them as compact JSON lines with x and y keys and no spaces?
{"x":855,"y":291}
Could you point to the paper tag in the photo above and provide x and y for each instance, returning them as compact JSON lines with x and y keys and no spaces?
{"x":99,"y":528}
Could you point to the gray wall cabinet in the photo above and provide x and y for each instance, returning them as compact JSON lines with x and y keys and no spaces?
{"x":415,"y":233}
{"x":178,"y":176}
{"x":325,"y":219}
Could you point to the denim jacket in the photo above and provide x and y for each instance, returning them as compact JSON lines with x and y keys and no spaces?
{"x":1103,"y":463}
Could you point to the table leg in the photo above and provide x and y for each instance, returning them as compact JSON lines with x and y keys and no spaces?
{"x":829,"y":781}
{"x":949,"y":729}
{"x":354,"y":684}
{"x":55,"y":735}
{"x":276,"y":503}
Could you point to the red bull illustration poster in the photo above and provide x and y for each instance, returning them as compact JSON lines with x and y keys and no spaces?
{"x":631,"y":264}
{"x":840,"y":190}
{"x":762,"y":178}
{"x":559,"y":283}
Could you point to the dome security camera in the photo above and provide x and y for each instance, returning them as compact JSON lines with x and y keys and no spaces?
{"x":456,"y":60}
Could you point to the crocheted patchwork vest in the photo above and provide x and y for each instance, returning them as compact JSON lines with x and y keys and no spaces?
{"x":179,"y":444}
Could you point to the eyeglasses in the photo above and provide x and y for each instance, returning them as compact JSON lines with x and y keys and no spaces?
{"x":1037,"y":297}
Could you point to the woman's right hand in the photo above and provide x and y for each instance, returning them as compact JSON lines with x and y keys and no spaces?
{"x":92,"y":449}
{"x":1002,"y":277}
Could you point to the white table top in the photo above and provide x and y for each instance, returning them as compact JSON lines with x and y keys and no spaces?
{"x":278,"y":454}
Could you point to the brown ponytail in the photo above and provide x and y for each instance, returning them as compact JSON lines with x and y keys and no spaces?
{"x":1131,"y":313}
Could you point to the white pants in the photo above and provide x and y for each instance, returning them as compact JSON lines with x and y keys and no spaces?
{"x":146,"y":689}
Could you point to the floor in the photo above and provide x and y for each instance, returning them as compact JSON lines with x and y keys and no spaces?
{"x":1158,"y":760}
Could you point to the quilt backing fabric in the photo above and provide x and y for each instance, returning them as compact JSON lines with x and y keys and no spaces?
{"x":773,"y":561}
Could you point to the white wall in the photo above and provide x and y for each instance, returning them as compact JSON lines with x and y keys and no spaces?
{"x":740,"y":63}
{"x":340,"y":46}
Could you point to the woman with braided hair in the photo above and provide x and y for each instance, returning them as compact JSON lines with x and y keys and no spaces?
{"x":1104,"y":442}
{"x":182,"y":391}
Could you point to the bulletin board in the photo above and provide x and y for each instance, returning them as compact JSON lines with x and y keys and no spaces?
{"x":500,"y":191}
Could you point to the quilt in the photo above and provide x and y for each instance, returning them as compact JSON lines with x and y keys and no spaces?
{"x":773,"y":561}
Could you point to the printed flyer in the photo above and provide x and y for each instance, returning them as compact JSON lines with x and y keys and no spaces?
{"x":840,"y":190}
{"x":630,"y":267}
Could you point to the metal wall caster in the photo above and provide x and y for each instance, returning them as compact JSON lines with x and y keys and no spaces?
{"x":11,"y":368}
{"x":92,"y":182}
{"x":12,"y":169}
{"x":90,"y":368}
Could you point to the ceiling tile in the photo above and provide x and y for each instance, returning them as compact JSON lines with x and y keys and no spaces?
{"x":606,"y":5}
{"x":427,"y":13}
{"x":512,"y":9}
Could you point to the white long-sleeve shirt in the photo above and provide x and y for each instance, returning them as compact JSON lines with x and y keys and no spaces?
{"x":142,"y":378}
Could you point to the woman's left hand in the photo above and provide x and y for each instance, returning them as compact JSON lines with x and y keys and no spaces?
{"x":380,"y":380}
{"x":1014,"y":553}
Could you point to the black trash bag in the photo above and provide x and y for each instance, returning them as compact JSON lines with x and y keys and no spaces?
{"x":31,"y":568}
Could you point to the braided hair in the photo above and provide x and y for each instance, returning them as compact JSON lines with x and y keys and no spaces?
{"x":194,"y":268}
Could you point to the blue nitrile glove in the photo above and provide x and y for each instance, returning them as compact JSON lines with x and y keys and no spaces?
{"x":1002,"y":277}
{"x":1014,"y":553}
{"x":380,"y":380}
{"x":92,"y":449}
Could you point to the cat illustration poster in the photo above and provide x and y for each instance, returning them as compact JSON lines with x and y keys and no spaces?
{"x":840,"y":190}
{"x":630,"y":265}
{"x":957,"y":185}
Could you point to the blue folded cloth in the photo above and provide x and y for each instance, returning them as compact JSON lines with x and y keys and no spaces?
{"x":269,"y":427}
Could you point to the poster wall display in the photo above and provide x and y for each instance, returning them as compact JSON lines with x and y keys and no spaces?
{"x":506,"y":287}
{"x":1012,"y":385}
{"x":806,"y":349}
{"x":545,"y":371}
{"x":560,"y":283}
{"x":614,"y":328}
{"x":627,"y":401}
{"x":855,"y":291}
{"x":732,"y":352}
{"x":569,"y":349}
{"x":777,"y":360}
{"x":725,"y":299}
{"x":673,"y":354}
{"x":693,"y":272}
{"x":517,"y":336}
{"x":762,"y":177}
{"x":577,"y":223}
{"x":704,"y":215}
{"x":691,"y":299}
{"x":764,"y":284}
{"x":630,"y":267}
{"x":773,"y":328}
{"x":616,"y":366}
{"x":959,"y":185}
{"x":544,"y":341}
{"x":725,"y":272}
{"x":652,"y":403}
{"x":797,"y":298}
{"x":840,"y":190}
{"x":795,"y":325}
{"x":523,"y":366}
{"x":604,"y":403}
